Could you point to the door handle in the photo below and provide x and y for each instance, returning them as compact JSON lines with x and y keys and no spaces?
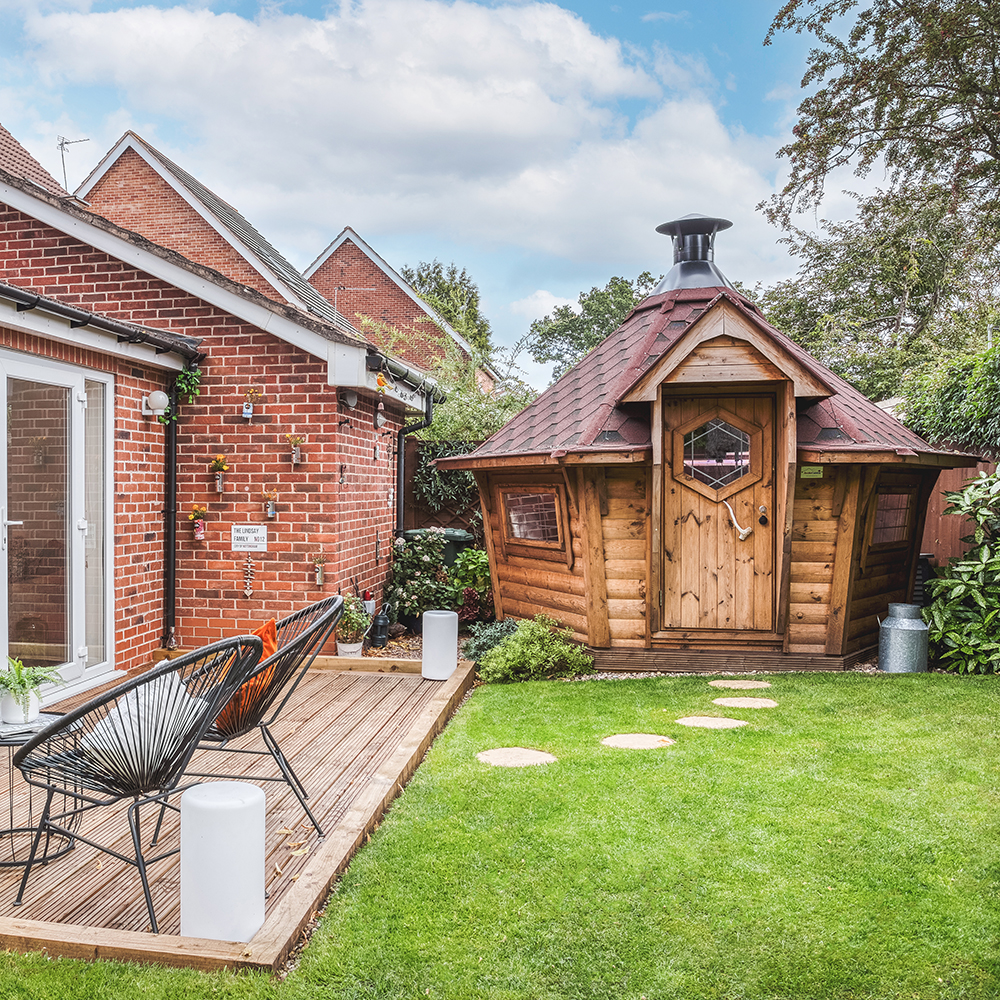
{"x":3,"y":517}
{"x":742,"y":532}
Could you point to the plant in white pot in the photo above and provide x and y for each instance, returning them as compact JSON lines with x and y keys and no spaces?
{"x":352,"y":627}
{"x":20,"y":685}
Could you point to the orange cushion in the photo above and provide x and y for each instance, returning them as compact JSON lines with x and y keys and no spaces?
{"x":230,"y":719}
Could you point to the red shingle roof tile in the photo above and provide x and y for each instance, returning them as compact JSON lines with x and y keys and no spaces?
{"x":16,"y":160}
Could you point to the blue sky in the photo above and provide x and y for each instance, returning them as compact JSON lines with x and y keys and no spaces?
{"x":537,"y":145}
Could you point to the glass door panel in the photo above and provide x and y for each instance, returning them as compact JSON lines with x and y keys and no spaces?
{"x":37,"y":516}
{"x":94,"y":511}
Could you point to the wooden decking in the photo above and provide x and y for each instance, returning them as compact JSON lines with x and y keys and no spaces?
{"x":354,"y":739}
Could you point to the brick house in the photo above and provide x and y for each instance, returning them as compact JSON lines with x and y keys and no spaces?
{"x":94,"y":317}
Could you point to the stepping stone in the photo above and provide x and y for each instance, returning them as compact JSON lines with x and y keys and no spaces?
{"x":637,"y":741}
{"x":745,"y":702}
{"x":514,"y":757}
{"x":738,"y":684}
{"x":711,"y":722}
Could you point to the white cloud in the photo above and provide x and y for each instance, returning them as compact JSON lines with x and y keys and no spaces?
{"x":540,"y":303}
{"x":666,"y":15}
{"x":489,"y":126}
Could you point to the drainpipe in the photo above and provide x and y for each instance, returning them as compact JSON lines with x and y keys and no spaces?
{"x":403,"y":431}
{"x":170,"y":528}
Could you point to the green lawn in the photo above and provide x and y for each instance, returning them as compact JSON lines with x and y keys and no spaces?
{"x":843,"y":845}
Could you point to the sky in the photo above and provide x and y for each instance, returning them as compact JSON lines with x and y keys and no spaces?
{"x":538,"y":145}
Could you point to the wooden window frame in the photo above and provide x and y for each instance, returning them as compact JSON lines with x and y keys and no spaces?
{"x":911,"y":519}
{"x":529,"y":547}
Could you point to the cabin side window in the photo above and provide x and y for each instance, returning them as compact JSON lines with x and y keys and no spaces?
{"x":894,"y":519}
{"x":532,"y":516}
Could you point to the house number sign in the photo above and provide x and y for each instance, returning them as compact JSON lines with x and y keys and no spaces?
{"x":249,"y":537}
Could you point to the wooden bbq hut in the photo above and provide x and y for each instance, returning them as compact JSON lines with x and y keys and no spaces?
{"x":700,"y":493}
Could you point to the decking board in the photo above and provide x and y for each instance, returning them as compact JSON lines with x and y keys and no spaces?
{"x":354,"y":739}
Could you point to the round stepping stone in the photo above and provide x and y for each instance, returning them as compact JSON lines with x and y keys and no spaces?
{"x":738,"y":685}
{"x":745,"y":702}
{"x":637,"y":741}
{"x":711,"y":722}
{"x":514,"y":757}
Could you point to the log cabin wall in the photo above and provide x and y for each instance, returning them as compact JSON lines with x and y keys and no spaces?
{"x":598,"y":586}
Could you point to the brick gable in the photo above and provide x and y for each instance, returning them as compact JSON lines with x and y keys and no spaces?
{"x":358,"y":288}
{"x":134,"y":196}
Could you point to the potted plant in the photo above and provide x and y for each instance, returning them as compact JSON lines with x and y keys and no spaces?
{"x":197,"y":518}
{"x":295,"y":441}
{"x":220,"y":467}
{"x":319,"y":566}
{"x":270,"y":498}
{"x":20,"y":686}
{"x":352,"y":627}
{"x":251,"y":396}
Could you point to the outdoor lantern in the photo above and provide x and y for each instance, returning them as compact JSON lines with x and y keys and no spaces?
{"x":155,"y":404}
{"x":379,"y":634}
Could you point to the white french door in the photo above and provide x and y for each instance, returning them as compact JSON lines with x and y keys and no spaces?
{"x":54,"y":519}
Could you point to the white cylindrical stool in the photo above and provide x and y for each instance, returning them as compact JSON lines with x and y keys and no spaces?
{"x":440,"y":650}
{"x":222,"y":860}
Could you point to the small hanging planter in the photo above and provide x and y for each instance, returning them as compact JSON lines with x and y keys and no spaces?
{"x":218,"y":466}
{"x":319,"y":568}
{"x":251,"y":397}
{"x":270,"y":503}
{"x":197,"y":519}
{"x":295,"y":441}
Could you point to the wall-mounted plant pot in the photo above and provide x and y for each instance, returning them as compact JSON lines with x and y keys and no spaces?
{"x":349,"y":648}
{"x":248,"y":411}
{"x":220,"y":482}
{"x":296,"y":454}
{"x":271,"y":509}
{"x":199,"y":530}
{"x":12,"y":711}
{"x":320,"y":575}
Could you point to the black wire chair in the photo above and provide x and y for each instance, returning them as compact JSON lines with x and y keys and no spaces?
{"x":132,"y":742}
{"x":300,"y":637}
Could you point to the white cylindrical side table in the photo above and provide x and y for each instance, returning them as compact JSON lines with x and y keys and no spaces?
{"x":440,"y":646}
{"x":222,"y":860}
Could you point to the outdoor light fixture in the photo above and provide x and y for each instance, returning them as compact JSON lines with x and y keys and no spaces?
{"x":155,"y":404}
{"x":348,"y":398}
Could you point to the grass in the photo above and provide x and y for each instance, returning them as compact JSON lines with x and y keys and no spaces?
{"x":843,"y":845}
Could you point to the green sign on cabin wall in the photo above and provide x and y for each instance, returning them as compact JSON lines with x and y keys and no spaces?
{"x":810,"y":472}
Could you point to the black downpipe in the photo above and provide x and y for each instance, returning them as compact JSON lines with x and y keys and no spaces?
{"x":170,"y":529}
{"x":403,"y":431}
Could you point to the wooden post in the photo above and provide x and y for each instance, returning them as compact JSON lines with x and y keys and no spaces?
{"x":785,"y":467}
{"x":483,"y":482}
{"x":843,"y":561}
{"x":594,"y":569}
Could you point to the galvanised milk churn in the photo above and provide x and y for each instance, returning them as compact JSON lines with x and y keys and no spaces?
{"x":902,"y":641}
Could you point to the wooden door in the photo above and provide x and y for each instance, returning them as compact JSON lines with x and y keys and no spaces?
{"x":718,"y":450}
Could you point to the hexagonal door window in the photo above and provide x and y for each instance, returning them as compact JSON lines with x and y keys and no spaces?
{"x":716,"y":453}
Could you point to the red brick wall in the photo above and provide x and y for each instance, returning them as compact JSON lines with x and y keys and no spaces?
{"x":134,"y":196}
{"x":335,"y":501}
{"x":352,"y":281}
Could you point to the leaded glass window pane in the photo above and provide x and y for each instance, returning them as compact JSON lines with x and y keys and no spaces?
{"x":716,"y":453}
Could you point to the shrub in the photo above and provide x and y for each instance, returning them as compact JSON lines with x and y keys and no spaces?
{"x":470,"y":578}
{"x":538,"y":650}
{"x":483,"y":636}
{"x":962,"y":615}
{"x":419,"y":581}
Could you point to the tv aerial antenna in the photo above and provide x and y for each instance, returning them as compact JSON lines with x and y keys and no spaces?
{"x":61,"y":146}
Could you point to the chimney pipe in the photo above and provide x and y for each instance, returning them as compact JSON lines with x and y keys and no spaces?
{"x":694,"y":253}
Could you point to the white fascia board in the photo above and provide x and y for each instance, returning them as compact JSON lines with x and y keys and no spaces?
{"x":250,"y":312}
{"x":397,"y":279}
{"x":345,"y":369}
{"x":128,"y":142}
{"x":50,"y":326}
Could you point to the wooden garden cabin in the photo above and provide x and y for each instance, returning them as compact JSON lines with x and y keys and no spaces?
{"x":699,"y":482}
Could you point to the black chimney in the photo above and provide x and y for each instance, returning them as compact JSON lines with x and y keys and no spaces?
{"x":694,"y":253}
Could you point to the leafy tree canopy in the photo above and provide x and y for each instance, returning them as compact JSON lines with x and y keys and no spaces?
{"x":567,"y":334}
{"x":914,"y":82}
{"x":454,"y":295}
{"x":906,"y":281}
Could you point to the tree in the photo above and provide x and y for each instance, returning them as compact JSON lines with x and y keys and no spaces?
{"x":957,"y":403}
{"x":454,"y":295}
{"x":567,"y":334}
{"x":915,"y":82}
{"x":892,"y":290}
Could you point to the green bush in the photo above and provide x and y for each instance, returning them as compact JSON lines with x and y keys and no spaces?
{"x":962,"y":616}
{"x":483,"y":636}
{"x":538,"y":650}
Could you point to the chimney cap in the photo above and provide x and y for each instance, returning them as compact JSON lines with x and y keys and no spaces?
{"x":691,"y":224}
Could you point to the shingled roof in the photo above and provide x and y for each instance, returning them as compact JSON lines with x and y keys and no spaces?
{"x":583,"y":410}
{"x":16,"y":160}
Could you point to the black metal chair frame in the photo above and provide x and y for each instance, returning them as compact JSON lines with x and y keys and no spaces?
{"x":300,"y":637}
{"x":133,"y":741}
